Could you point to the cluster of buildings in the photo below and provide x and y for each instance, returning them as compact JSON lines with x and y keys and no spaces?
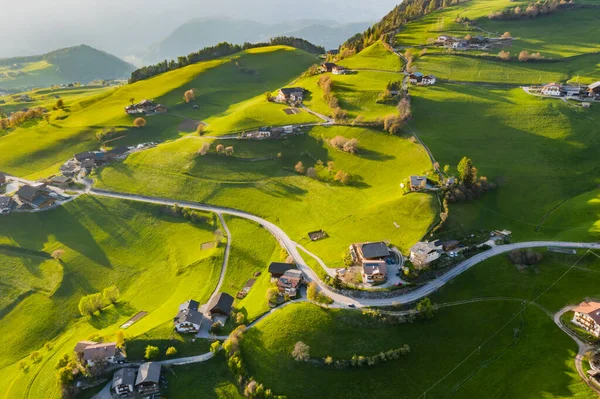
{"x":288,"y":278}
{"x":189,"y":318}
{"x":145,"y":107}
{"x":144,"y":381}
{"x":35,"y":196}
{"x":333,"y":68}
{"x":591,"y":92}
{"x":417,"y":78}
{"x":267,"y":132}
{"x":472,"y":43}
{"x":373,"y":258}
{"x":86,"y":161}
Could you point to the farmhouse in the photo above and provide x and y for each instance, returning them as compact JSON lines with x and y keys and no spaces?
{"x":587,"y":316}
{"x":552,"y":89}
{"x":593,"y":90}
{"x":423,"y":253}
{"x":220,"y":305}
{"x":415,"y":77}
{"x":106,"y":352}
{"x":370,"y":251}
{"x":418,"y":183}
{"x":290,"y":282}
{"x":339,"y":70}
{"x":61,"y":181}
{"x":33,"y":196}
{"x":70,"y":168}
{"x":327,"y":66}
{"x":188,"y":319}
{"x":148,"y":378}
{"x":145,"y":107}
{"x":123,"y":382}
{"x":428,"y":80}
{"x":290,"y":94}
{"x":374,"y":271}
{"x":277,"y":269}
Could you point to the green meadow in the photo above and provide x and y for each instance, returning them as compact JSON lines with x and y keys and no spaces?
{"x":375,"y":56}
{"x":541,"y":150}
{"x":154,"y":259}
{"x":219,"y":84}
{"x":269,"y":187}
{"x":31,"y":74}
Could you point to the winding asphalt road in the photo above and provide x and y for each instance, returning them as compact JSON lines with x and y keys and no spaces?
{"x":342,"y":300}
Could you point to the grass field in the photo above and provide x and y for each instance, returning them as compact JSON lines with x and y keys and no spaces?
{"x":582,"y":69}
{"x":271,"y":189}
{"x":106,"y":242}
{"x":536,"y":146}
{"x":29,"y":75}
{"x":437,"y":346}
{"x":220,"y":84}
{"x":376,"y":56}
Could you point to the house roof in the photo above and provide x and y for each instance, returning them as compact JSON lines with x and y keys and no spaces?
{"x":423,"y":248}
{"x":595,"y":85}
{"x":280,"y":268}
{"x":189,"y":304}
{"x":374,"y":267}
{"x":328,"y":64}
{"x":552,"y":85}
{"x":591,"y":309}
{"x":60,"y":179}
{"x":148,"y":372}
{"x":374,"y":250}
{"x":84,"y":155}
{"x":416,"y":180}
{"x":100,"y":351}
{"x":290,"y":278}
{"x":27,"y":192}
{"x":123,"y":377}
{"x":189,"y":316}
{"x":287,"y":91}
{"x":221,"y":303}
{"x":81,"y":345}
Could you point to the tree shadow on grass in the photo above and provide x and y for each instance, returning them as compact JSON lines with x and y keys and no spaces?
{"x":374,"y":155}
{"x":105,"y":318}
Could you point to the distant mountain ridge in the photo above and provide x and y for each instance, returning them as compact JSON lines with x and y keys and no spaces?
{"x":200,"y":33}
{"x":73,"y":64}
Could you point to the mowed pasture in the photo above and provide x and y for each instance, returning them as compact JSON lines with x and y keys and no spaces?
{"x":437,"y":346}
{"x":583,"y":69}
{"x":376,"y":56}
{"x":543,"y":151}
{"x":260,"y":178}
{"x":153,"y":258}
{"x":39,"y":151}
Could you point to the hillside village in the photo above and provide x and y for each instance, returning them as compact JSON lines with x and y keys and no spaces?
{"x":252,"y":220}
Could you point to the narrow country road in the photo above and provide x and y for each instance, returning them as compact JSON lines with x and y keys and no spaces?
{"x":342,"y":300}
{"x":225,"y":257}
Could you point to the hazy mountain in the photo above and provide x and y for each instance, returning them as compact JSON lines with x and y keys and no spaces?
{"x":200,"y":33}
{"x":74,"y":64}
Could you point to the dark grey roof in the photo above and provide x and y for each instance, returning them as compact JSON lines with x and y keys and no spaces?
{"x":221,"y":304}
{"x":4,"y":201}
{"x":280,"y":268}
{"x":148,"y":372}
{"x":60,"y":179}
{"x":375,"y":250}
{"x":27,"y":192}
{"x":84,"y":155}
{"x":191,"y":304}
{"x":188,"y":316}
{"x":291,"y":90}
{"x":123,"y":377}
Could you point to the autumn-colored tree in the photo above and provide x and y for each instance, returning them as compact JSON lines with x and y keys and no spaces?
{"x":220,"y":148}
{"x":301,"y":352}
{"x":60,"y":103}
{"x":200,"y":129}
{"x":229,"y":150}
{"x":404,"y":109}
{"x":189,"y":95}
{"x":204,"y":149}
{"x":342,"y":177}
{"x":506,"y":35}
{"x":299,"y":167}
{"x":330,"y":166}
{"x":468,"y":37}
{"x":524,"y":56}
{"x":58,"y":253}
{"x":311,"y":172}
{"x":504,"y":55}
{"x":139,"y":122}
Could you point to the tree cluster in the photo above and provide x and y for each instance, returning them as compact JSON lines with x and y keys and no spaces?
{"x":19,"y":117}
{"x":425,"y":309}
{"x":525,"y":56}
{"x":532,"y":10}
{"x":407,"y":11}
{"x":367,"y":361}
{"x":343,"y":144}
{"x":315,"y":295}
{"x":189,"y":214}
{"x":219,"y":50}
{"x":470,"y":186}
{"x":92,"y":303}
{"x":326,"y":84}
{"x":527,"y":257}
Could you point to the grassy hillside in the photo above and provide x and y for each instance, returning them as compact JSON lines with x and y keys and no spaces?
{"x":220,"y":84}
{"x":271,"y":188}
{"x":375,"y":56}
{"x":74,"y":64}
{"x":106,"y":242}
{"x":437,"y":346}
{"x":540,"y":148}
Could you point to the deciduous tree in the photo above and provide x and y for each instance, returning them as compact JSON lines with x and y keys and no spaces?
{"x":139,"y":122}
{"x":151,"y":352}
{"x":301,"y":352}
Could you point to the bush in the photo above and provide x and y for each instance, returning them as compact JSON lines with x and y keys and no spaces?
{"x":342,"y":177}
{"x":299,"y":167}
{"x":189,"y":95}
{"x":139,"y":122}
{"x":504,"y":55}
{"x":343,"y":144}
{"x":171,"y":351}
{"x":151,"y":352}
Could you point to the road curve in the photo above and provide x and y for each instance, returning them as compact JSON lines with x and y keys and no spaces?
{"x":342,"y":300}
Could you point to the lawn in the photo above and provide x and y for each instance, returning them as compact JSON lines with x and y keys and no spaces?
{"x":252,"y":250}
{"x":376,"y":56}
{"x":271,"y":189}
{"x":210,"y":380}
{"x":437,"y":346}
{"x":582,"y":69}
{"x":219,"y":83}
{"x":543,"y":152}
{"x":153,"y":258}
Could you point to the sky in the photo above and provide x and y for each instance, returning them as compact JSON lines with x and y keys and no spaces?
{"x":125,"y":26}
